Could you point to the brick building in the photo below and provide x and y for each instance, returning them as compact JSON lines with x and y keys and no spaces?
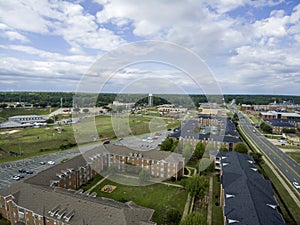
{"x":50,"y":197}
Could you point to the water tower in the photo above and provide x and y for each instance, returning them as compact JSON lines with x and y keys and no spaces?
{"x":150,"y":100}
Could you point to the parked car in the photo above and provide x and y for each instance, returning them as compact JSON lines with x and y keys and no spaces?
{"x":29,"y":171}
{"x":106,"y":142}
{"x":20,"y":175}
{"x":51,"y":162}
{"x":296,"y":185}
{"x":22,"y":171}
{"x":42,"y":163}
{"x":15,"y":177}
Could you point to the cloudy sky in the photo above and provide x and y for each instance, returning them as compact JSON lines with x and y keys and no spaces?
{"x":250,"y":46}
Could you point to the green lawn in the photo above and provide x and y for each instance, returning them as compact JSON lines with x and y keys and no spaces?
{"x":157,"y":196}
{"x":217,"y":214}
{"x":4,"y":222}
{"x":31,"y":142}
{"x":91,"y":182}
{"x":295,"y":156}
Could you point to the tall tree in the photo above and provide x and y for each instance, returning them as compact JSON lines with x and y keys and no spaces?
{"x":167,"y":144}
{"x":199,"y":150}
{"x":241,"y":147}
{"x":196,"y":186}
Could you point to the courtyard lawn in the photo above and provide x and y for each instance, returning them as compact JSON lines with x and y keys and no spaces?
{"x":156,"y":196}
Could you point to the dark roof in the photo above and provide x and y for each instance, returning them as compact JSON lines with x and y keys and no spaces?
{"x":218,"y":138}
{"x":88,"y":209}
{"x":230,"y":135}
{"x":280,"y":123}
{"x":248,"y":197}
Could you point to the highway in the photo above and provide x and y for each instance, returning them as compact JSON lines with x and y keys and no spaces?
{"x":289,"y":168}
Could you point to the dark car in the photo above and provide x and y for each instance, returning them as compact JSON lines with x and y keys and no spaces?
{"x":106,"y":142}
{"x":29,"y":171}
{"x":22,"y":171}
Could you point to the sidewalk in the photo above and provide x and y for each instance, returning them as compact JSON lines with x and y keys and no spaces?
{"x":210,"y":197}
{"x":99,"y":182}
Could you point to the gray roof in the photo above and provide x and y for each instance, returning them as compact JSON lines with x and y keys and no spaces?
{"x":249,"y":198}
{"x":84,"y":209}
{"x":44,"y":178}
{"x":150,"y":154}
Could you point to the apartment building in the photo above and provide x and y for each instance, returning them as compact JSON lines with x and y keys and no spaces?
{"x":28,"y":204}
{"x":246,"y":196}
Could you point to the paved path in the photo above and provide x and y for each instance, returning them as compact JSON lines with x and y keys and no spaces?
{"x":99,"y":182}
{"x":186,"y":207}
{"x":210,"y":197}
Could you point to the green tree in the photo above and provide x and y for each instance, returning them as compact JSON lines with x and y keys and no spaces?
{"x":199,"y":150}
{"x":235,"y":118}
{"x":187,"y":151}
{"x":266,"y":128}
{"x":287,"y":130}
{"x":85,"y":110}
{"x":144,"y":176}
{"x":173,"y":217}
{"x":223,"y":149}
{"x":194,"y":218}
{"x":241,"y":147}
{"x":257,"y":157}
{"x":196,"y":186}
{"x":3,"y":105}
{"x":167,"y":144}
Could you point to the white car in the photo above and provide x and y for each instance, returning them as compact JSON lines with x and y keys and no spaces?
{"x":15,"y":177}
{"x":51,"y":162}
{"x":296,"y":185}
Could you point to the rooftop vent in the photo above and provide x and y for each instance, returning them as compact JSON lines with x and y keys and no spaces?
{"x":229,"y":196}
{"x":61,"y":213}
{"x":230,"y":221}
{"x":69,"y":216}
{"x":53,"y":211}
{"x":272,"y":206}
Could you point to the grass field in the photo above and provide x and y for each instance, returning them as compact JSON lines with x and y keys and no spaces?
{"x":5,"y":113}
{"x":157,"y":196}
{"x":295,"y":156}
{"x":35,"y":141}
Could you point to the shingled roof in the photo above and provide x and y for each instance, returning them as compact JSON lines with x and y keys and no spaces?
{"x":249,"y":198}
{"x":67,"y":206}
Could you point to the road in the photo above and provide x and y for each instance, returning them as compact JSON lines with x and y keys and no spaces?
{"x":288,"y":167}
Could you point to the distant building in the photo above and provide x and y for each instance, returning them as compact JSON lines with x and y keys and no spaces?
{"x":279,"y":115}
{"x":245,"y":107}
{"x":278,"y":125}
{"x":28,"y":119}
{"x":246,"y":197}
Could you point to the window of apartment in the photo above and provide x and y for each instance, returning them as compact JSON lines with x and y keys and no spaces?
{"x":21,"y":215}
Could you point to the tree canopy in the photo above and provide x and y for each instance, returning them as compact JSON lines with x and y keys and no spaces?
{"x":196,"y":186}
{"x":199,"y":150}
{"x":241,"y":147}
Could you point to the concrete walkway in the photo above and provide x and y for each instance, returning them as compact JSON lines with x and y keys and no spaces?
{"x":99,"y":182}
{"x":186,"y":207}
{"x":210,"y":199}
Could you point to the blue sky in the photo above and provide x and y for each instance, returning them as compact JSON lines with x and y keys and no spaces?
{"x":250,"y":47}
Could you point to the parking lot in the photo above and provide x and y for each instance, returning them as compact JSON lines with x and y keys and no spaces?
{"x":7,"y":170}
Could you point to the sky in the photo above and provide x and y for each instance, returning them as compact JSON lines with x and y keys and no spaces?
{"x":249,"y":46}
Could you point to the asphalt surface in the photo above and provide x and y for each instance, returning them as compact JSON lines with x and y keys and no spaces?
{"x":7,"y":170}
{"x":289,"y":168}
